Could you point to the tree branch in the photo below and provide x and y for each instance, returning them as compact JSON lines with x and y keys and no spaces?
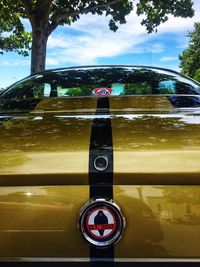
{"x":72,"y":2}
{"x":29,"y":9}
{"x":86,"y":10}
{"x":66,"y":15}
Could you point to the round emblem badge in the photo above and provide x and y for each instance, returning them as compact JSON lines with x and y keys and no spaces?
{"x":101,"y":222}
{"x":102,"y":91}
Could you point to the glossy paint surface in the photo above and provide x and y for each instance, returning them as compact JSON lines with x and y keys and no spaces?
{"x":41,"y":221}
{"x":162,"y":221}
{"x":40,"y":143}
{"x":155,"y":145}
{"x":44,"y":178}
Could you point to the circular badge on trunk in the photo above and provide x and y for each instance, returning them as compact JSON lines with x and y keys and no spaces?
{"x":101,"y":222}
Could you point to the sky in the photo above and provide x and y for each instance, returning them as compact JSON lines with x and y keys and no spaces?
{"x":90,"y":42}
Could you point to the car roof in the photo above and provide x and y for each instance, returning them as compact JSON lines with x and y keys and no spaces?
{"x":117,"y":66}
{"x":110,"y":66}
{"x":47,"y":71}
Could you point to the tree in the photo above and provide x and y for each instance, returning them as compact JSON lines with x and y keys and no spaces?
{"x":18,"y":39}
{"x":197,"y":75}
{"x":190,"y":58}
{"x":46,"y":15}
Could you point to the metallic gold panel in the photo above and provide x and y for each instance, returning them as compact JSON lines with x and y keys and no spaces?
{"x":67,"y":104}
{"x":41,"y":221}
{"x":170,"y":161}
{"x":162,"y":221}
{"x":139,"y":103}
{"x":153,"y":143}
{"x":45,"y":144}
{"x":156,"y":164}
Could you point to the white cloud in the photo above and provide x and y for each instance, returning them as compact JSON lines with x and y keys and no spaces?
{"x":168,"y":59}
{"x":182,"y":46}
{"x":51,"y":61}
{"x":21,"y":62}
{"x":94,"y":40}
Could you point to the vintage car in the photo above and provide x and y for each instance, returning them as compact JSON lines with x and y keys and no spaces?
{"x":100,"y":163}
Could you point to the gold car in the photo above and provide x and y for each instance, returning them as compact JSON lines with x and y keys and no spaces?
{"x":100,"y":163}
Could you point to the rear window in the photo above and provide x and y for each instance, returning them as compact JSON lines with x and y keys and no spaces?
{"x":105,"y":81}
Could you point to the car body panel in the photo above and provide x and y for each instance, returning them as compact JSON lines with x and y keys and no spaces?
{"x":66,"y":104}
{"x":41,"y":221}
{"x":40,"y":150}
{"x":144,"y":142}
{"x":45,"y":177}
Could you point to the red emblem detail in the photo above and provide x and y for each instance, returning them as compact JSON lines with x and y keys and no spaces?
{"x":102,"y":91}
{"x":101,"y":223}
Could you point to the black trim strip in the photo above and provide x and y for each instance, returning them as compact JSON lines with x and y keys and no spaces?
{"x":101,"y":183}
{"x":10,"y":109}
{"x":184,"y":101}
{"x":18,"y":106}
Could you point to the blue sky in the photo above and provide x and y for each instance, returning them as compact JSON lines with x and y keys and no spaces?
{"x":89,"y":41}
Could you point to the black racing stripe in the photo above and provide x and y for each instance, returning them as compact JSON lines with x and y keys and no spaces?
{"x":101,"y":183}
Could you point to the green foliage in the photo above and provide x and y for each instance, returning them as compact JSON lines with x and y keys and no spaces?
{"x":190,"y":58}
{"x":13,"y":36}
{"x":157,"y":11}
{"x":77,"y":91}
{"x":197,"y":75}
{"x":17,"y":43}
{"x":137,"y":89}
{"x":74,"y":92}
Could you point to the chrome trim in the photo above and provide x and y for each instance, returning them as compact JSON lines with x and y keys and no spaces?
{"x":101,"y":169}
{"x":36,"y":259}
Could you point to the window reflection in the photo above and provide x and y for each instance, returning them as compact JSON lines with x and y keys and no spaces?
{"x":82,"y":81}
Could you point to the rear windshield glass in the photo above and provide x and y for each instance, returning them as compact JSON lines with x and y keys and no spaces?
{"x":102,"y":82}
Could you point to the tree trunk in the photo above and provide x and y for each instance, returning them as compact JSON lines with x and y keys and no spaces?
{"x":38,"y":53}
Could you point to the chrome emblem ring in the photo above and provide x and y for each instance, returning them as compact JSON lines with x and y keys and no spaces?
{"x":101,"y":163}
{"x":101,"y":222}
